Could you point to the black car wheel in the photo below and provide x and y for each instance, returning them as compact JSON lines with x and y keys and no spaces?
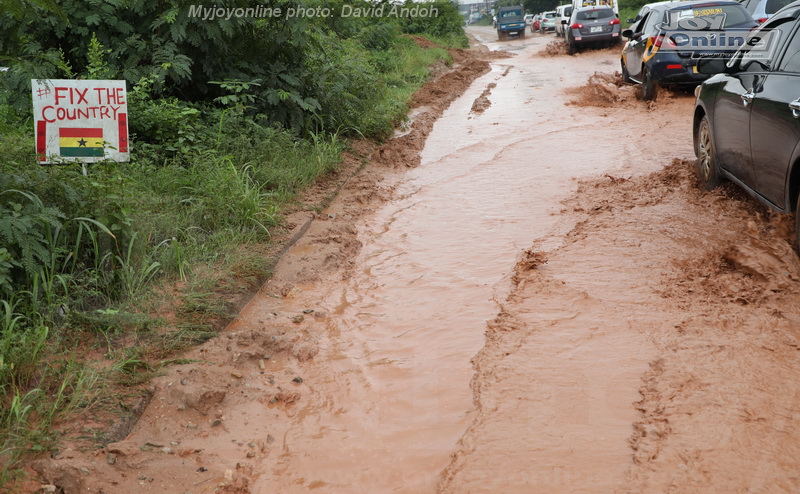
{"x":707,"y":170}
{"x":649,"y":86}
{"x":797,"y":227}
{"x":571,"y":48}
{"x":626,"y":77}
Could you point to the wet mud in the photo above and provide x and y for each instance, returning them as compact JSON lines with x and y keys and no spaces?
{"x":555,"y":48}
{"x":699,"y":286}
{"x":483,"y":102}
{"x":489,"y":306}
{"x":604,"y":90}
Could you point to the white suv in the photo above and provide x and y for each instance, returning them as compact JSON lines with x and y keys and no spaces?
{"x":563,"y":12}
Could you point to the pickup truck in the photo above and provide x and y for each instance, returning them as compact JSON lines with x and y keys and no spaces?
{"x":510,"y":20}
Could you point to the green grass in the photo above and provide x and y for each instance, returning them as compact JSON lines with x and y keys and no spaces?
{"x":625,"y":14}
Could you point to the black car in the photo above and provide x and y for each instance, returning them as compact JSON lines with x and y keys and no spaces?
{"x":747,"y":118}
{"x":667,"y":39}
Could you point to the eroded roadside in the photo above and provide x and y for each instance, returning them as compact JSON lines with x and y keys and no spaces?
{"x":220,"y":422}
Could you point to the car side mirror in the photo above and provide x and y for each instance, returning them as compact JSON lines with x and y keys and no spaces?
{"x":711,"y":66}
{"x":564,"y":22}
{"x":628,"y":33}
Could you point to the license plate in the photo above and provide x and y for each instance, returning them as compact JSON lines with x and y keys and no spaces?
{"x":596,"y":29}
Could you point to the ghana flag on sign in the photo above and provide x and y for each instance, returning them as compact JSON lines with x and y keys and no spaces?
{"x":78,"y":142}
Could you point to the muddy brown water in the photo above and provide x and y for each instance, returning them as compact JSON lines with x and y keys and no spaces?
{"x":396,"y":397}
{"x":544,"y":304}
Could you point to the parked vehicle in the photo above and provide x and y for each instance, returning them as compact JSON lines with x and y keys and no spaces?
{"x":762,"y":10}
{"x":528,"y":19}
{"x":747,"y":118}
{"x":591,"y":25}
{"x":562,"y":14}
{"x":657,"y":53}
{"x":510,"y":20}
{"x":535,"y":23}
{"x":548,"y":22}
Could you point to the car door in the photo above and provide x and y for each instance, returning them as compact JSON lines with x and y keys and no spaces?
{"x":639,"y":48}
{"x":732,"y":112}
{"x":775,"y":122}
{"x":636,"y":46}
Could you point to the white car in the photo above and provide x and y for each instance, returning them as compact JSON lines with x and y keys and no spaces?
{"x":528,"y":19}
{"x":563,"y":12}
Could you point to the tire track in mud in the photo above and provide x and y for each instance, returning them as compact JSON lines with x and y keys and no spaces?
{"x":689,"y":297}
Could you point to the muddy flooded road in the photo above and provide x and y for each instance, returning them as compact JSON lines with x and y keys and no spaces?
{"x":539,"y":299}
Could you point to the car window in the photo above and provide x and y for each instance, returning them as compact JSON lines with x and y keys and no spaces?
{"x":649,"y":25}
{"x":791,"y":57}
{"x":757,"y":57}
{"x":640,"y":25}
{"x":773,"y":6}
{"x":511,"y":13}
{"x":735,"y":15}
{"x":592,"y":15}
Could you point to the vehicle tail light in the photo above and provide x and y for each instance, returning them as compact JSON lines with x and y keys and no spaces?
{"x":613,"y":22}
{"x":674,"y":66}
{"x":762,"y":20}
{"x":659,"y":40}
{"x":576,"y":25}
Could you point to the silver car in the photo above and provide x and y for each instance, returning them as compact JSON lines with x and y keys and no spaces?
{"x":762,"y":10}
{"x":548,"y":22}
{"x":591,"y":25}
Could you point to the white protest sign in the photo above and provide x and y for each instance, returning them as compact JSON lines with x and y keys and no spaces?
{"x":83,"y":121}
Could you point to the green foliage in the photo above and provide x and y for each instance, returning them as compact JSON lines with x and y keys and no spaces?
{"x":379,"y":36}
{"x":238,"y":93}
{"x":21,"y":345}
{"x":97,"y":68}
{"x":26,"y":228}
{"x":627,"y":13}
{"x":631,"y":6}
{"x":448,"y":22}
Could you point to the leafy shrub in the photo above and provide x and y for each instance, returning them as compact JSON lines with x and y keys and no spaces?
{"x":379,"y":36}
{"x":447,"y":24}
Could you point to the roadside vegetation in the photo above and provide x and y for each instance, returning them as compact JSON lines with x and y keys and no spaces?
{"x":230,"y":119}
